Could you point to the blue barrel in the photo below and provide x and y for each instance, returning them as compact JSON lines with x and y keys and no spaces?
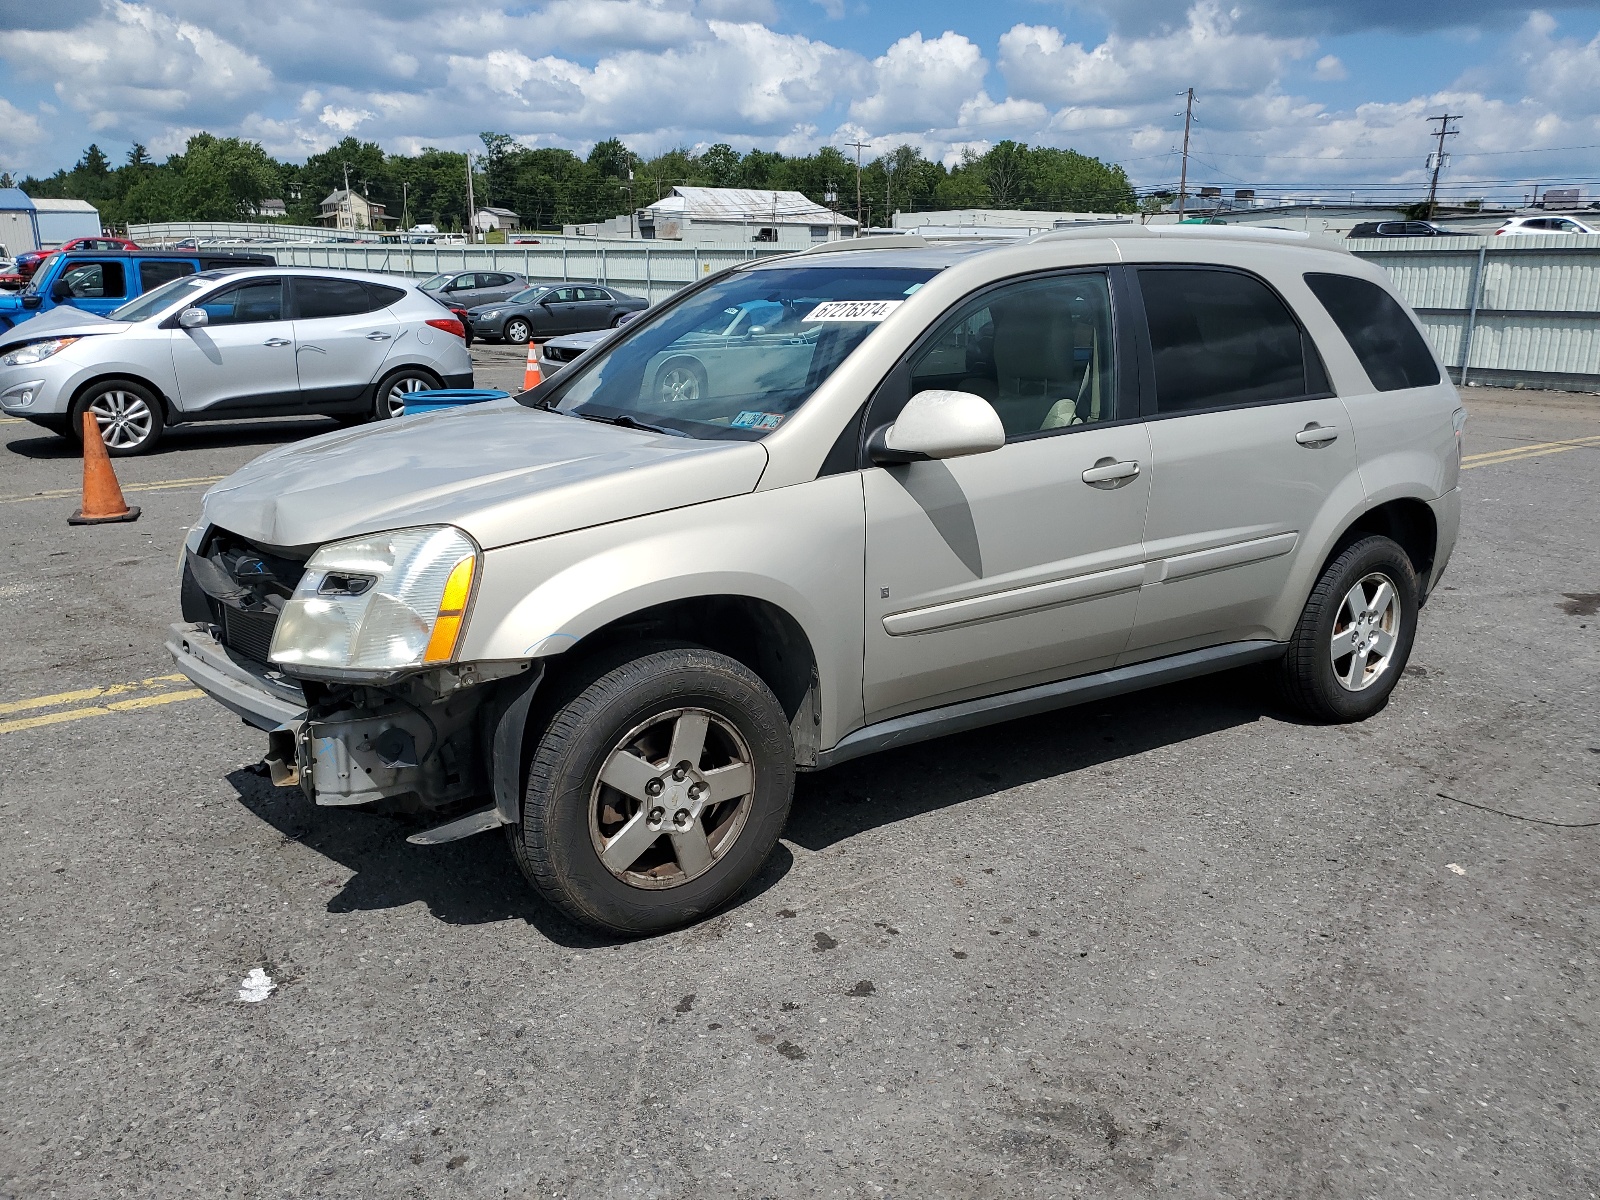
{"x":426,"y":402}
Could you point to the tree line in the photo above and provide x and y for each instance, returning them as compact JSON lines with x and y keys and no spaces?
{"x":227,"y":179}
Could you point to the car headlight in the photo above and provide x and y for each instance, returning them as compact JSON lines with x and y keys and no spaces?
{"x":380,"y":603}
{"x":34,"y":352}
{"x":490,"y":315}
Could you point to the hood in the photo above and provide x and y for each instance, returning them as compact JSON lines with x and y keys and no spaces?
{"x":64,"y":321}
{"x":500,"y":471}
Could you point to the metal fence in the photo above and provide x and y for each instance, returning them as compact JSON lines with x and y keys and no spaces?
{"x":1514,"y":311}
{"x":164,"y":233}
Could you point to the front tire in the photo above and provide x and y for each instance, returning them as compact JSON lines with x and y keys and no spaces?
{"x":658,"y":789}
{"x":129,"y":414}
{"x":518,"y":331}
{"x":680,"y":379}
{"x":1355,"y":634}
{"x":392,"y":391}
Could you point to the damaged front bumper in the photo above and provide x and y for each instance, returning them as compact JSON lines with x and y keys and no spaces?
{"x":428,"y":741}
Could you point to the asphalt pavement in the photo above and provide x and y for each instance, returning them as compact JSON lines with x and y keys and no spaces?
{"x":1177,"y":943}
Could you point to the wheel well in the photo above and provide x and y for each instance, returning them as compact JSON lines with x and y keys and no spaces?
{"x":167,"y":414}
{"x":1408,"y":522}
{"x":754,"y":632}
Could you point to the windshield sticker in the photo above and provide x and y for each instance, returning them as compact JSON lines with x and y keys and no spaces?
{"x":758,"y":420}
{"x":854,"y":310}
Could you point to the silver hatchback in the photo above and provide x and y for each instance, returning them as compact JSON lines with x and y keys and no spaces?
{"x":256,"y":342}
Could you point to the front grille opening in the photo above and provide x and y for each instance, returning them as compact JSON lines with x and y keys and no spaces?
{"x":245,"y":586}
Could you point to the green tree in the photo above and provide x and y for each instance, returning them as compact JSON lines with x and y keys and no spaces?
{"x":612,"y":159}
{"x":225,"y":179}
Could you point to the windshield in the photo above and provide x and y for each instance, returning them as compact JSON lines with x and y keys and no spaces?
{"x":737,"y":358}
{"x":149,"y":304}
{"x":527,"y":296}
{"x":434,"y":284}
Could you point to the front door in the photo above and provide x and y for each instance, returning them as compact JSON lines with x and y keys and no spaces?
{"x":1253,"y":454}
{"x":343,"y":334}
{"x":243,"y":358}
{"x":564,"y":311}
{"x":96,"y":287}
{"x":1001,"y":570}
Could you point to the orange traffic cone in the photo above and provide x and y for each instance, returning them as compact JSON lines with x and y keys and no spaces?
{"x":102,"y":495}
{"x":531,"y":377}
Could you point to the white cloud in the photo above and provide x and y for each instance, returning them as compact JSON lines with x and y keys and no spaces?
{"x":1329,"y":69}
{"x":20,"y":133}
{"x":922,"y":83}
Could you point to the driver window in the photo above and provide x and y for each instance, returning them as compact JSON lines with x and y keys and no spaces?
{"x":95,"y":281}
{"x":1040,"y":351}
{"x":246,"y":304}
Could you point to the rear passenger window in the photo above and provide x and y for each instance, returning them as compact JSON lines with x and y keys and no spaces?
{"x":1378,"y":330}
{"x":316,"y":298}
{"x":1223,"y":338}
{"x":95,"y":281}
{"x":153,"y":274}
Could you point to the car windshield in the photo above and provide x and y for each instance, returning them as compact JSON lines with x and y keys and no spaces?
{"x":162,"y":298}
{"x":527,"y":296}
{"x":738,"y":357}
{"x":434,"y":284}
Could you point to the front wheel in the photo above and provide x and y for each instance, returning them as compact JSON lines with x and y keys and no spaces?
{"x":128,"y":413}
{"x":1355,"y":635}
{"x":394,"y":389}
{"x":680,"y":379}
{"x":518,"y":331}
{"x":658,"y":788}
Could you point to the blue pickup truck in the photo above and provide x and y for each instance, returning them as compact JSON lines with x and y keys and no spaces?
{"x":98,"y":282}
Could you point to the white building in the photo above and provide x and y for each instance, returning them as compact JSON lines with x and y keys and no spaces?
{"x":727,"y":216}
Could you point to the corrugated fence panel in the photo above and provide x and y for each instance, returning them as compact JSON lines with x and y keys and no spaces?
{"x":1515,"y":310}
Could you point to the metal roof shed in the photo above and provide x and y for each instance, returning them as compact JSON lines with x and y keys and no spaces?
{"x":19,"y":227}
{"x":59,"y":221}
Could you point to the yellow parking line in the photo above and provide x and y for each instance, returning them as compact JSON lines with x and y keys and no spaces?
{"x":10,"y":420}
{"x":94,"y":693}
{"x":155,"y":486}
{"x":1512,"y":453}
{"x":99,"y":710}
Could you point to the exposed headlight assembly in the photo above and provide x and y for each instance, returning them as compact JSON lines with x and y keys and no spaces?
{"x":383,"y":603}
{"x":33,"y":352}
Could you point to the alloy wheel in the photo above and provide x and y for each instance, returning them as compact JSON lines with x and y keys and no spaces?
{"x":395,"y":399}
{"x":517,"y":332}
{"x":672,"y":798}
{"x":125,"y":419}
{"x":680,"y":383}
{"x":1365,"y":632}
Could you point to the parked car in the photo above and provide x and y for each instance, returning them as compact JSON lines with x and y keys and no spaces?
{"x":1002,"y":479}
{"x":471,"y":288}
{"x":99,"y":282}
{"x":1367,"y":229}
{"x":548,"y":309}
{"x":242,"y":342}
{"x":558,"y":353}
{"x":1542,"y":225}
{"x":460,"y":314}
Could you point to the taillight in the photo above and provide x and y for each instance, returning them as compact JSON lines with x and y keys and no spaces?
{"x":450,"y":325}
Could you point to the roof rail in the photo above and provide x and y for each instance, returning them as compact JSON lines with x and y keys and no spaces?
{"x":1225,"y":232}
{"x":876,"y":241}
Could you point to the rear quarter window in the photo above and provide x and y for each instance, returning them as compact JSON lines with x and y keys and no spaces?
{"x":1384,"y":338}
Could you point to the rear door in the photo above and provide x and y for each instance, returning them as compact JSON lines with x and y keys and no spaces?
{"x":496,"y":285}
{"x":94,"y":285}
{"x":155,"y":272}
{"x":343,"y":332}
{"x":1250,"y":448}
{"x":243,"y":359}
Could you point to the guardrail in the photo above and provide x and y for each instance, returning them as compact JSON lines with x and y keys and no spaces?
{"x":1513,"y":311}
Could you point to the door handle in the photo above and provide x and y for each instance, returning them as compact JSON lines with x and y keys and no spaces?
{"x":1316,"y":435}
{"x":276,"y":342}
{"x":1109,"y":473}
{"x":375,"y":336}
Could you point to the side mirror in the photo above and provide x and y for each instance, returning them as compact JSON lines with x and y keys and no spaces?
{"x":193,"y":318}
{"x":939,"y":425}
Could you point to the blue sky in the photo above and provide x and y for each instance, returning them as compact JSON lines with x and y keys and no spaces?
{"x":1294,"y":94}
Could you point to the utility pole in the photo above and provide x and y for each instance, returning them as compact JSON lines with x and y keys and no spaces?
{"x":1183,"y":177}
{"x":1439,"y":156}
{"x":860,"y":146}
{"x":405,"y":206}
{"x":345,"y":204}
{"x":472,"y":207}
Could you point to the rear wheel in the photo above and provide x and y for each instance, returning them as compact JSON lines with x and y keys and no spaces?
{"x":1355,"y":635}
{"x":518,"y":331}
{"x":128,"y":413}
{"x":395,"y":388}
{"x":658,"y":788}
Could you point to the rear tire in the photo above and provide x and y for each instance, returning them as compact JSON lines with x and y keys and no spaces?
{"x":389,"y":399}
{"x":130,"y":416}
{"x":1355,"y":634}
{"x":676,"y":840}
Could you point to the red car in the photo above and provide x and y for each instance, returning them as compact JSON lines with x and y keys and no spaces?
{"x":28,"y":262}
